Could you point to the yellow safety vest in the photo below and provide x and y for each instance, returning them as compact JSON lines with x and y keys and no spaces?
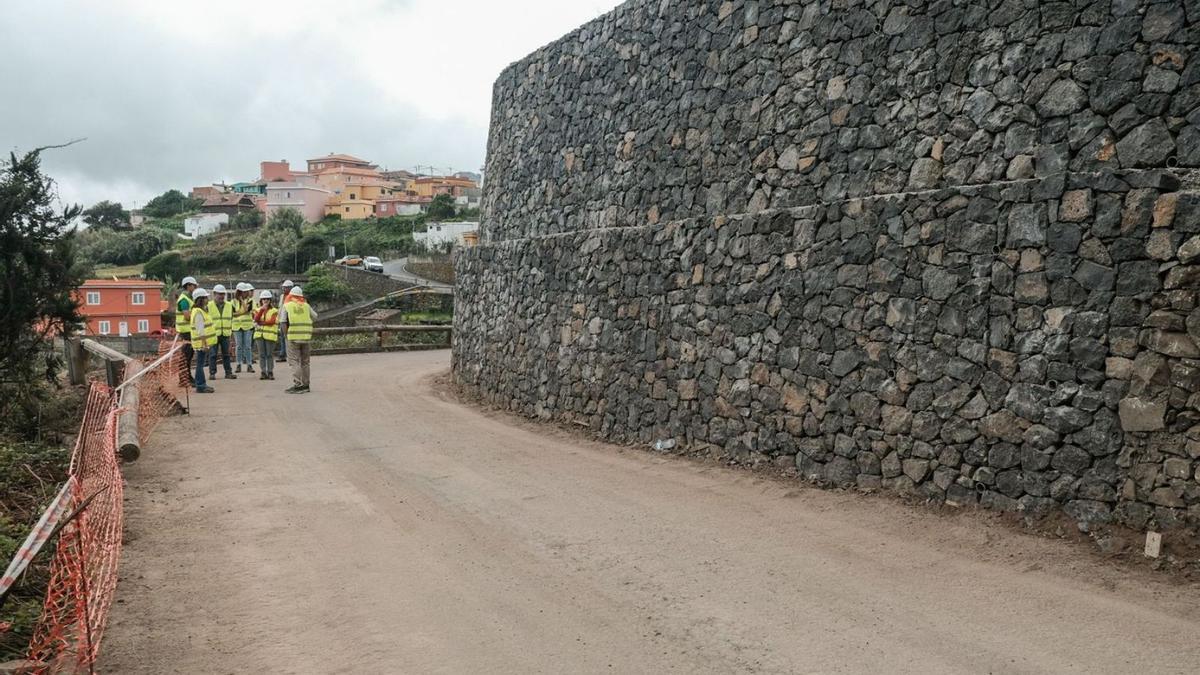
{"x":223,"y":318}
{"x":243,"y":321}
{"x":300,"y":323}
{"x":210,"y":330}
{"x":269,"y":333}
{"x":183,"y":314}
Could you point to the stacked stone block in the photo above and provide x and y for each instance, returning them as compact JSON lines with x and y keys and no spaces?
{"x":941,"y":248}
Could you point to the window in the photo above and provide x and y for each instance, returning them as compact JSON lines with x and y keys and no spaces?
{"x":347,"y":209}
{"x":353,"y":196}
{"x":138,"y":298}
{"x":105,"y":328}
{"x":289,"y":195}
{"x":93,"y":297}
{"x":143,"y":325}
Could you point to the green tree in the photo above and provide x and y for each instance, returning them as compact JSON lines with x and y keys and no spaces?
{"x":166,"y":266}
{"x":270,"y":249}
{"x":286,"y":219}
{"x":128,"y":247}
{"x":247,"y":220}
{"x":107,"y":214}
{"x":37,"y":257}
{"x":441,"y":207}
{"x":170,"y":203}
{"x":322,"y":285}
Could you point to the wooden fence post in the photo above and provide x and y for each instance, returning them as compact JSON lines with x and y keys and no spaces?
{"x":129,"y":445}
{"x":76,"y":360}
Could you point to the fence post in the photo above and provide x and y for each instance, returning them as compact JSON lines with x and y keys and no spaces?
{"x":76,"y":360}
{"x":112,"y":372}
{"x":128,"y":442}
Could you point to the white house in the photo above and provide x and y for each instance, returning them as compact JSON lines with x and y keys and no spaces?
{"x":204,"y":223}
{"x":439,"y":233}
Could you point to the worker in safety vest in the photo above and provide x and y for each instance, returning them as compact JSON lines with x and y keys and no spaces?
{"x":243,"y":326}
{"x":297,"y":317}
{"x":284,"y":290}
{"x":266,"y":333}
{"x":203,"y":334}
{"x":183,"y":319}
{"x":222,"y":315}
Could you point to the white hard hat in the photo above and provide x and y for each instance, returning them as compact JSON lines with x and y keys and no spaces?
{"x":288,"y":283}
{"x":266,"y":295}
{"x":199,"y":293}
{"x":218,"y":289}
{"x":188,"y":280}
{"x":298,"y":292}
{"x":243,"y":286}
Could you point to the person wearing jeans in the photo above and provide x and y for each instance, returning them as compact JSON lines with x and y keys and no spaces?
{"x":266,"y":334}
{"x":203,"y":337}
{"x":243,"y":327}
{"x":284,"y":291}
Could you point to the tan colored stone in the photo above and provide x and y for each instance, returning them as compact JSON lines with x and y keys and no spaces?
{"x":1031,"y":260}
{"x":1076,"y":206}
{"x":1164,"y":209}
{"x":939,"y":147}
{"x":838,"y":117}
{"x":835,"y":88}
{"x":795,"y":399}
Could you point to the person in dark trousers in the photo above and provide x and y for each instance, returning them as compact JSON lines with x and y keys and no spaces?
{"x":221,"y":312}
{"x":284,"y":291}
{"x":202,"y":331}
{"x":183,"y":320}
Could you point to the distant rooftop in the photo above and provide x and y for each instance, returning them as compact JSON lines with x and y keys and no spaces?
{"x":341,"y":158}
{"x":122,"y":283}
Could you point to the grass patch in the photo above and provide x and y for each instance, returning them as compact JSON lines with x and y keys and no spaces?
{"x":120,"y":272}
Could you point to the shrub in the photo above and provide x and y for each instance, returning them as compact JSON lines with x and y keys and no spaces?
{"x":166,"y":266}
{"x":323,"y":286}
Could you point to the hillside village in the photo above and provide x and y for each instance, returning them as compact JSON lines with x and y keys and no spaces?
{"x":332,"y":186}
{"x":285,"y":222}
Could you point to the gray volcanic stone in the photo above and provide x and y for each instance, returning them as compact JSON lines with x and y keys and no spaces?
{"x":927,"y":247}
{"x":1147,"y":145}
{"x":1062,"y":98}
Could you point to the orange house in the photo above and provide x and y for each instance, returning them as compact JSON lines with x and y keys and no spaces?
{"x":121,"y":307}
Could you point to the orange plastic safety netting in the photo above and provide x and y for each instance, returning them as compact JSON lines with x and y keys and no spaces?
{"x":83,"y":575}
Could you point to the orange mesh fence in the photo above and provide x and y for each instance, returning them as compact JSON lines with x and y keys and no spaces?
{"x":83,"y":574}
{"x":162,"y":387}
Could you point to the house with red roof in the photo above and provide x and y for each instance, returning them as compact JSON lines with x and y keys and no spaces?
{"x":121,"y":306}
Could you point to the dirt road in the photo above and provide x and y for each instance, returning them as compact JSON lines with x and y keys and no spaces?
{"x":375,"y":526}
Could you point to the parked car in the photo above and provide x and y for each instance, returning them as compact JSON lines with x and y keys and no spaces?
{"x":373,"y":264}
{"x":349,"y":261}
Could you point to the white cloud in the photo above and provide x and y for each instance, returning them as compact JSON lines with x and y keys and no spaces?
{"x":176,"y":94}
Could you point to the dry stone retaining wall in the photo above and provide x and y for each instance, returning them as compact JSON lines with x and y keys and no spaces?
{"x":928,"y":246}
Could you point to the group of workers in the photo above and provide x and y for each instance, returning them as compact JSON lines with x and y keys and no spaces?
{"x":278,"y":329}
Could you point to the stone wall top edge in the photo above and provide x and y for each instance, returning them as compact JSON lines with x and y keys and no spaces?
{"x":510,"y":71}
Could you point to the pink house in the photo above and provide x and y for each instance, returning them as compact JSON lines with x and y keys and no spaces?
{"x":309,"y":200}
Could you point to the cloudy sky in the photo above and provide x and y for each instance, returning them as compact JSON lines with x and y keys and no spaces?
{"x":180,"y":93}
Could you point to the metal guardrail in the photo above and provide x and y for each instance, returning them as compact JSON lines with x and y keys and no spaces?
{"x":380,"y":331}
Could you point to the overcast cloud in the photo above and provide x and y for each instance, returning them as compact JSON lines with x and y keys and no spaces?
{"x":176,"y":94}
